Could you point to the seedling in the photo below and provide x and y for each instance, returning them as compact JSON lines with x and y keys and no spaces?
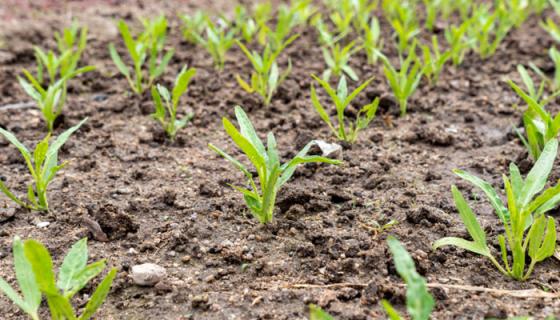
{"x":266,"y":76}
{"x":272,"y":175}
{"x":244,"y":24}
{"x":532,"y":91}
{"x":337,"y":59}
{"x":434,"y":61}
{"x":147,"y":46}
{"x":405,"y":81}
{"x":406,"y":27}
{"x":218,"y":41}
{"x":194,"y":25}
{"x":433,"y":7}
{"x":286,"y":20}
{"x":70,"y":49}
{"x":303,"y":10}
{"x":326,"y":37}
{"x":540,"y":126}
{"x":50,"y":100}
{"x":527,"y":230}
{"x":371,"y":40}
{"x":419,"y":302}
{"x":166,"y":110}
{"x":488,"y":30}
{"x":42,"y":165}
{"x":316,"y":313}
{"x":341,"y":99}
{"x":516,"y":11}
{"x":35,"y":275}
{"x":458,"y":41}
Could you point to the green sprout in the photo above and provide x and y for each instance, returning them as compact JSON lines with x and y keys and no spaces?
{"x":266,"y":76}
{"x":166,"y":114}
{"x":405,"y":25}
{"x":219,"y":39}
{"x":42,"y":165}
{"x":52,"y":99}
{"x":434,"y":60}
{"x":71,"y":44}
{"x":405,"y":81}
{"x":540,"y":126}
{"x":286,"y":20}
{"x":527,"y":229}
{"x":35,"y":275}
{"x":337,"y":59}
{"x":459,"y":43}
{"x":326,"y":36}
{"x":244,"y":24}
{"x":487,"y":30}
{"x":371,"y":40}
{"x":148,"y":46}
{"x":345,"y":132}
{"x":194,"y":25}
{"x":419,"y":302}
{"x":272,"y":175}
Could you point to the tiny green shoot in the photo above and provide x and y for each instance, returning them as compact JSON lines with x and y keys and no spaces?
{"x":337,"y":59}
{"x":166,"y":108}
{"x":42,"y":165}
{"x":272,"y":175}
{"x":346,"y":131}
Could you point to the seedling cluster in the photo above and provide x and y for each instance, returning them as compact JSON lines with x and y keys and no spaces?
{"x":409,"y":57}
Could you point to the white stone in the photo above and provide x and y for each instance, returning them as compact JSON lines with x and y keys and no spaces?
{"x":43,"y":224}
{"x":147,"y":274}
{"x":333,"y":150}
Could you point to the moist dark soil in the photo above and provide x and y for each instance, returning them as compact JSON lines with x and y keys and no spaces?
{"x":170,"y":204}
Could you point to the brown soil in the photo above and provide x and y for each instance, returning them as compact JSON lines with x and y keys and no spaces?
{"x":170,"y":204}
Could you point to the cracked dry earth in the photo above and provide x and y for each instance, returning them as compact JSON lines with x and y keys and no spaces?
{"x":170,"y":204}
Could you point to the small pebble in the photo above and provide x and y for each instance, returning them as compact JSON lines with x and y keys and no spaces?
{"x":147,"y":274}
{"x":43,"y":224}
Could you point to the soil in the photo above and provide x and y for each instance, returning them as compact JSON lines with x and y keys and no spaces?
{"x":169,"y":203}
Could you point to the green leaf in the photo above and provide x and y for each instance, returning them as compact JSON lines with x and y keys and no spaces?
{"x":74,"y":262}
{"x":391,"y":312}
{"x":491,"y":194}
{"x":419,"y":302}
{"x":52,"y":153}
{"x":230,"y":159}
{"x":542,"y":245}
{"x":26,"y":278}
{"x":469,"y":219}
{"x":41,"y":263}
{"x":319,"y":108}
{"x":118,"y":61}
{"x":10,"y":195}
{"x":182,"y":83}
{"x":99,"y":295}
{"x":81,"y":279}
{"x":537,"y":177}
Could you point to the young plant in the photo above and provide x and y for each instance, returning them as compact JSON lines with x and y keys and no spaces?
{"x":166,"y":114}
{"x":345,"y":132}
{"x":488,"y":30}
{"x":42,"y":165}
{"x":371,"y":40}
{"x":244,"y":24}
{"x":35,"y":275}
{"x":527,"y":230}
{"x":326,"y":37}
{"x":194,"y":25}
{"x":459,"y":43}
{"x":50,"y":100}
{"x":272,"y":175}
{"x":266,"y":76}
{"x":70,"y":47}
{"x":405,"y":25}
{"x":433,"y":8}
{"x":286,"y":20}
{"x":337,"y":59}
{"x":434,"y":61}
{"x":419,"y":302}
{"x":218,"y":41}
{"x":147,"y":46}
{"x":540,"y":126}
{"x":405,"y":81}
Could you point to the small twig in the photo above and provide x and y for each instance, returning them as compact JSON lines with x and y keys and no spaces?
{"x":529,"y":293}
{"x":19,"y":105}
